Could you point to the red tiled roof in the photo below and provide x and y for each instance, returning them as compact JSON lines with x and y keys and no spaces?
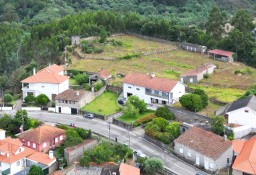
{"x":45,"y":77}
{"x":246,"y":159}
{"x":156,"y":83}
{"x":126,"y":169}
{"x":204,"y":142}
{"x":41,"y":158}
{"x":221,"y":52}
{"x":237,"y":145}
{"x":12,"y":146}
{"x":198,"y":70}
{"x":70,"y":94}
{"x":53,"y":68}
{"x":41,"y":134}
{"x":104,"y":73}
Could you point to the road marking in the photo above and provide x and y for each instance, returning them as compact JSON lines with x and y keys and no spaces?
{"x":173,"y":163}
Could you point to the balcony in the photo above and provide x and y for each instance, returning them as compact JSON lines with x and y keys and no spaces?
{"x":155,"y":95}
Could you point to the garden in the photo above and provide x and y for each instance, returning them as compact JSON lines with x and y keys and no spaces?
{"x":105,"y":104}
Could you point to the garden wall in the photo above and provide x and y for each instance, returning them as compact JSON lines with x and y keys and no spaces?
{"x":158,"y":143}
{"x":122,"y":124}
{"x":31,"y":108}
{"x":114,"y":89}
{"x":5,"y":108}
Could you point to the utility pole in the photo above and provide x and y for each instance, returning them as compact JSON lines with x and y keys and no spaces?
{"x":109,"y":131}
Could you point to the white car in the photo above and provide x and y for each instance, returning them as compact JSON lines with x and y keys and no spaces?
{"x":139,"y":153}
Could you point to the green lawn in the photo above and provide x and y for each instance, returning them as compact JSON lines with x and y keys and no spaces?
{"x":104,"y":104}
{"x":72,"y":82}
{"x":127,"y":119}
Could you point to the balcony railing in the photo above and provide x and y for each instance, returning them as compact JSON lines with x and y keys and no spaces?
{"x":155,"y":95}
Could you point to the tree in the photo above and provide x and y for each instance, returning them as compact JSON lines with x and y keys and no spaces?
{"x":192,"y":102}
{"x":217,"y":125}
{"x":30,"y":98}
{"x":164,"y":112}
{"x":21,"y":118}
{"x":5,"y":121}
{"x":174,"y":129}
{"x":103,"y":36}
{"x":72,"y":138}
{"x":10,"y":13}
{"x":215,"y":23}
{"x":153,"y":165}
{"x":81,"y":78}
{"x":138,"y":103}
{"x":83,"y":133}
{"x":35,"y":170}
{"x":42,"y":99}
{"x":129,"y":110}
{"x":8,"y":98}
{"x":203,"y":95}
{"x":243,"y":21}
{"x":161,"y":122}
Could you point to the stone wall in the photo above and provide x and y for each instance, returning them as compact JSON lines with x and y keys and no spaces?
{"x":75,"y":153}
{"x":122,"y":124}
{"x":158,"y":143}
{"x":115,"y":89}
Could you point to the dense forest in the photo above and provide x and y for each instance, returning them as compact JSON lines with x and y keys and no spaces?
{"x":35,"y":32}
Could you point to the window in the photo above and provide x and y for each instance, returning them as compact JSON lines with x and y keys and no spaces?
{"x":59,"y":101}
{"x":28,"y":143}
{"x":189,"y":154}
{"x":138,"y":89}
{"x":246,"y":110}
{"x":18,"y":163}
{"x":191,"y":80}
{"x":164,"y":94}
{"x":148,"y":91}
{"x":34,"y":145}
{"x":56,"y":140}
{"x":129,"y":87}
{"x":61,"y":137}
{"x":156,"y":92}
{"x":181,"y":150}
{"x":66,"y":101}
{"x":44,"y":145}
{"x":42,"y":86}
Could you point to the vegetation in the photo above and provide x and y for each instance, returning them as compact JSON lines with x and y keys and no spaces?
{"x":192,"y":102}
{"x":217,"y":125}
{"x":105,"y":104}
{"x":42,"y":100}
{"x":8,"y":98}
{"x":35,"y":170}
{"x":81,"y":78}
{"x":130,"y":119}
{"x":141,"y":120}
{"x":30,"y":98}
{"x":106,"y":152}
{"x":153,"y":165}
{"x":164,"y":112}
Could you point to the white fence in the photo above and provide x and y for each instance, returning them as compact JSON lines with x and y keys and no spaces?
{"x":5,"y":108}
{"x":31,"y":108}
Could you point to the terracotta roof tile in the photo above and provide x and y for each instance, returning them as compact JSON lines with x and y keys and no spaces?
{"x":126,"y":169}
{"x":221,"y":52}
{"x":204,"y":142}
{"x":198,"y":70}
{"x":104,"y":74}
{"x":237,"y":145}
{"x":70,"y":94}
{"x":246,"y":159}
{"x":41,"y":158}
{"x":41,"y":134}
{"x":156,"y":83}
{"x":53,"y":68}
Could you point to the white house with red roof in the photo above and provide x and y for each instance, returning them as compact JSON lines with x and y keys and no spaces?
{"x":153,"y":89}
{"x":221,"y":55}
{"x":14,"y":158}
{"x":50,"y":81}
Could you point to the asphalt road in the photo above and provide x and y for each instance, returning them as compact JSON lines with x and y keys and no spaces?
{"x":137,"y":142}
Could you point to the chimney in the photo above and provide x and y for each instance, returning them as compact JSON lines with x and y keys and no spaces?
{"x":77,"y":93}
{"x":7,"y":154}
{"x":2,"y":134}
{"x":152,"y":75}
{"x":34,"y":71}
{"x":51,"y":154}
{"x":225,"y":138}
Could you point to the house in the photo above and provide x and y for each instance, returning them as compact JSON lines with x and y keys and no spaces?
{"x":221,"y":55}
{"x":42,"y":138}
{"x":126,"y":169}
{"x":194,"y":76}
{"x":49,"y":81}
{"x":104,"y":74}
{"x":240,"y":112}
{"x":204,"y":149}
{"x":245,"y":161}
{"x":193,"y":47}
{"x":153,"y":89}
{"x":16,"y":159}
{"x":70,"y":101}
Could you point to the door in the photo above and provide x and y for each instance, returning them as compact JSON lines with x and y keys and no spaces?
{"x":59,"y":109}
{"x":73,"y":111}
{"x":197,"y":160}
{"x":129,"y":94}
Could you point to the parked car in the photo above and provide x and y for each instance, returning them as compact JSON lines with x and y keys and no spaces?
{"x":88,"y":115}
{"x":121,"y":101}
{"x":139,"y":153}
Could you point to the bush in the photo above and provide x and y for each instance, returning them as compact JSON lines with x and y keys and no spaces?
{"x":8,"y":98}
{"x":144,"y":120}
{"x":174,"y":129}
{"x":153,"y":165}
{"x":98,"y":85}
{"x":192,"y":102}
{"x":138,"y":103}
{"x":165,"y":137}
{"x":29,"y":99}
{"x":164,"y":112}
{"x":203,"y":95}
{"x":206,"y":76}
{"x":81,"y":78}
{"x":83,"y":133}
{"x":87,"y":87}
{"x":42,"y":100}
{"x":130,"y":56}
{"x":62,"y":126}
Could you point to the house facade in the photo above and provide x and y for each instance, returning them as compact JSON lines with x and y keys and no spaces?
{"x":15,"y":158}
{"x":192,"y":47}
{"x":42,"y":138}
{"x":204,"y":149}
{"x":221,"y":55}
{"x":194,"y":76}
{"x":49,"y":81}
{"x":70,"y":101}
{"x":245,"y":157}
{"x":152,"y":89}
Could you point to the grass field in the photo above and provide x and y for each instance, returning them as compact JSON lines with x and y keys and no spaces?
{"x":105,"y":104}
{"x":127,"y":119}
{"x":72,"y":81}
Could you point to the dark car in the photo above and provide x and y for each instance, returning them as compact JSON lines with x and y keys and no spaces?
{"x":88,"y":115}
{"x":121,"y":102}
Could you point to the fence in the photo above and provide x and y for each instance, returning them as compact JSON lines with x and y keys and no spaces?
{"x":114,"y":89}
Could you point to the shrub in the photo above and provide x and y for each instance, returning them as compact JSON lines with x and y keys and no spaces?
{"x":217,"y":125}
{"x":165,"y":137}
{"x":87,"y":87}
{"x":98,"y":85}
{"x":130,"y":56}
{"x":203,"y":95}
{"x":42,"y":99}
{"x":164,"y":112}
{"x":161,"y":122}
{"x":138,"y":103}
{"x":83,"y":133}
{"x":81,"y":78}
{"x":206,"y":76}
{"x":143,"y":120}
{"x":153,"y":165}
{"x":8,"y":98}
{"x":192,"y":102}
{"x":174,"y":129}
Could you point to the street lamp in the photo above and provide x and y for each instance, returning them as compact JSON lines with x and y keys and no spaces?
{"x":109,"y":131}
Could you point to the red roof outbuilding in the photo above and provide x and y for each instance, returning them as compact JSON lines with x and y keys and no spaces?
{"x":221,"y":52}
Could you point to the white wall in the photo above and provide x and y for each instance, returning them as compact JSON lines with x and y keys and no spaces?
{"x":4,"y":166}
{"x":31,"y":108}
{"x":63,"y":86}
{"x":243,"y":118}
{"x":241,"y":131}
{"x":15,"y":168}
{"x":178,"y":91}
{"x":64,"y":110}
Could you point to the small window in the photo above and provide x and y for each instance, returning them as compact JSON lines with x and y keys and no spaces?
{"x":28,"y":143}
{"x":34,"y":145}
{"x":18,"y":163}
{"x":66,"y":101}
{"x":156,"y":92}
{"x":20,"y":150}
{"x":181,"y":150}
{"x":138,"y":89}
{"x":59,"y":101}
{"x":189,"y":154}
{"x":61,"y":137}
{"x":56,"y":140}
{"x":129,"y":87}
{"x":191,"y":80}
{"x":246,"y":110}
{"x":44,"y":145}
{"x":42,"y":86}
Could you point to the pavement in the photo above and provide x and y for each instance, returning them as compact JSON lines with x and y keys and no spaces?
{"x":133,"y":138}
